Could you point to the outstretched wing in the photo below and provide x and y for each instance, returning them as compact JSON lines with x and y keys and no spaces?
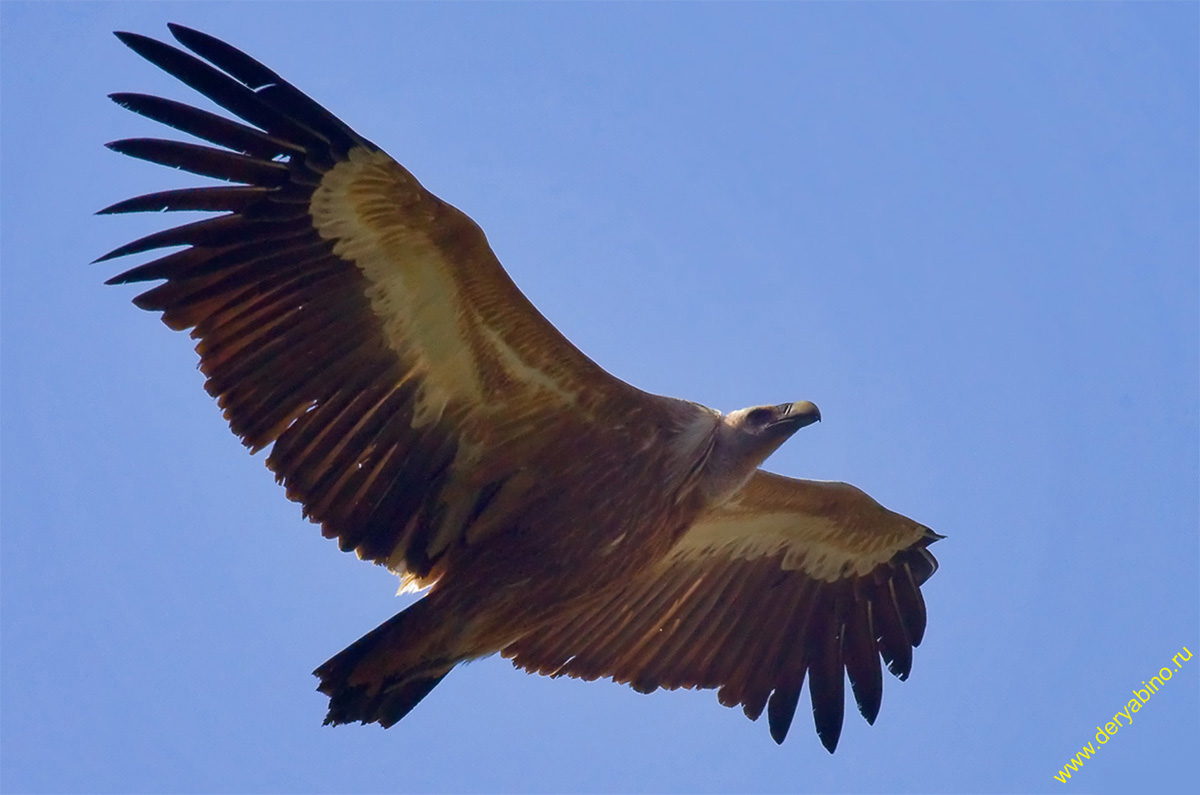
{"x":789,"y":578}
{"x":352,"y":319}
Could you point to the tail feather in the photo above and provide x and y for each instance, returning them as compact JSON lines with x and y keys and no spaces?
{"x":384,"y":674}
{"x":384,"y":707}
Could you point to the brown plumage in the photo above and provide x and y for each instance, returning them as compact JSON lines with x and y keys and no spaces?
{"x":430,"y":419}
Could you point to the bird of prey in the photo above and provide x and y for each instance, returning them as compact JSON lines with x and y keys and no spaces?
{"x":430,"y":419}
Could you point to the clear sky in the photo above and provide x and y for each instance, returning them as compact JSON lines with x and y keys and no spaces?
{"x":967,"y":232}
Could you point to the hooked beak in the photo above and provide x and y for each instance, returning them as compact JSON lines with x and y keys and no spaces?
{"x":799,"y":415}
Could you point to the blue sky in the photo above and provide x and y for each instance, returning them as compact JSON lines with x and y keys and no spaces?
{"x":967,"y":232}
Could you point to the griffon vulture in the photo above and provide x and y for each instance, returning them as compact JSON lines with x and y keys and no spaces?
{"x":432,"y":421}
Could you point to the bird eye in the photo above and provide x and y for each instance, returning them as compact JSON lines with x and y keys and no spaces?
{"x":760,"y":416}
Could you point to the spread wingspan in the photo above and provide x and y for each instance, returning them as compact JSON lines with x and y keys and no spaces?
{"x":419,"y":407}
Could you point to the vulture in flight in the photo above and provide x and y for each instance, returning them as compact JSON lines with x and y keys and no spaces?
{"x":430,"y":419}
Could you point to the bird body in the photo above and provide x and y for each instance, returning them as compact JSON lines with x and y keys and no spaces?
{"x":425,"y":413}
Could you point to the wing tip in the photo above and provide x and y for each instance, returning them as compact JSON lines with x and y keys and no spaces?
{"x":136,"y":41}
{"x":178,"y":30}
{"x":829,"y":739}
{"x":781,"y":708}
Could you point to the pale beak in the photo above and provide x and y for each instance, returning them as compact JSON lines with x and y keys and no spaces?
{"x":799,"y":415}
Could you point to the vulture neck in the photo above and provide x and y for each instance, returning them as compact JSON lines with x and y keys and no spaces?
{"x":732,"y":459}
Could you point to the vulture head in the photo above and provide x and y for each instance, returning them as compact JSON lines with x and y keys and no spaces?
{"x":759,"y":430}
{"x":747,"y":437}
